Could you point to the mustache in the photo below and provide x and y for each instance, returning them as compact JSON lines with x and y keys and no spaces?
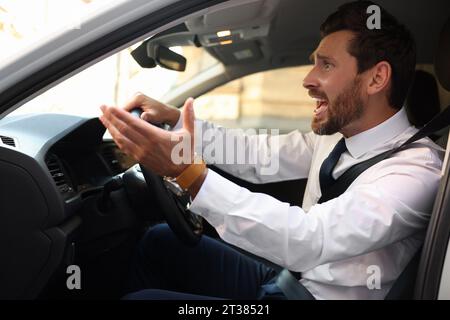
{"x":317,"y":94}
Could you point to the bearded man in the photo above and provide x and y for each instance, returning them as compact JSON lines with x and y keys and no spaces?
{"x":360,"y":79}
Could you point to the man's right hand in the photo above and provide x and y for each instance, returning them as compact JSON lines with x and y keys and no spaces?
{"x":153,"y":110}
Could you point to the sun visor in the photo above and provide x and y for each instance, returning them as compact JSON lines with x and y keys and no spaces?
{"x":234,"y":15}
{"x":246,"y":52}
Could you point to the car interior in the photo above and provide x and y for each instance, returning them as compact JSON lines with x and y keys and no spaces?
{"x":70,"y":196}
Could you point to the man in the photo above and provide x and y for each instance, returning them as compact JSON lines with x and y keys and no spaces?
{"x":360,"y":80}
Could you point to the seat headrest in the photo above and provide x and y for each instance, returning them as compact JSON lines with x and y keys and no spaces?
{"x":424,"y":92}
{"x":442,"y":61}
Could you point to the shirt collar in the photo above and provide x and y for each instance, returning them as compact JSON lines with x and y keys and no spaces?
{"x":365,"y":141}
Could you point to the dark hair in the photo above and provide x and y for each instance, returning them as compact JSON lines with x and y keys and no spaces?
{"x":392,"y":43}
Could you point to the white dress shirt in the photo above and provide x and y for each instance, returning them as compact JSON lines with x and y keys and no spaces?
{"x":375,"y":227}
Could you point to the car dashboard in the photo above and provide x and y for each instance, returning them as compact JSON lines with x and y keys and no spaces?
{"x":53,"y":170}
{"x":70,"y":150}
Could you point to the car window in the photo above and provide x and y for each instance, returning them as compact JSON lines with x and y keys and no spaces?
{"x":272,"y":99}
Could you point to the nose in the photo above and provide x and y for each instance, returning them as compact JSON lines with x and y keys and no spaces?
{"x":311,"y":81}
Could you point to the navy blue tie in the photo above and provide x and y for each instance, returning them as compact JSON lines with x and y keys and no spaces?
{"x":325,"y":175}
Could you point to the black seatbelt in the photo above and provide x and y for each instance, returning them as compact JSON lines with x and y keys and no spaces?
{"x":403,"y":287}
{"x":438,"y":123}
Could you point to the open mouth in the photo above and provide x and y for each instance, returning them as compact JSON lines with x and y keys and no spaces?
{"x":321,"y":107}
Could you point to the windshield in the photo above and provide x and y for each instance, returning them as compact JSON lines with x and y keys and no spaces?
{"x":273,"y":99}
{"x":115,"y":80}
{"x":24,"y":23}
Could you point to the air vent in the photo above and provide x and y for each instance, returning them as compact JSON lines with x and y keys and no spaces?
{"x":110,"y":156}
{"x":8,"y":141}
{"x":58,"y":175}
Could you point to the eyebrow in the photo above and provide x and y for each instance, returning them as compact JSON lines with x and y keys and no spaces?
{"x":312,"y":58}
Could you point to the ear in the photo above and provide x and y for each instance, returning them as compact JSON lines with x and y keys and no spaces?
{"x":380,"y":77}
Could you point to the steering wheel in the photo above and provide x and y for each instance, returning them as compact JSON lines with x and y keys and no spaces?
{"x":187,"y":226}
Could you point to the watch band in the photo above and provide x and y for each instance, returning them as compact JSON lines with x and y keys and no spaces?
{"x":190,"y":174}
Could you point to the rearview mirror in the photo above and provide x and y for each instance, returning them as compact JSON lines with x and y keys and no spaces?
{"x":149,"y":55}
{"x":168,"y":59}
{"x":142,"y":58}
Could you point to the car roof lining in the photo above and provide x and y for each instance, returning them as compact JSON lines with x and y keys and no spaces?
{"x":237,"y":14}
{"x":283,"y":46}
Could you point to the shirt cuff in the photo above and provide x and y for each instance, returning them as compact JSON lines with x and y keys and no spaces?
{"x":215,"y":198}
{"x":179,"y":123}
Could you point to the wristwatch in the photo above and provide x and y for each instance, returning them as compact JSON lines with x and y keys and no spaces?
{"x":180,"y":185}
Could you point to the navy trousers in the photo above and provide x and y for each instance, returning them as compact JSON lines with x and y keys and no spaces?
{"x":166,"y":269}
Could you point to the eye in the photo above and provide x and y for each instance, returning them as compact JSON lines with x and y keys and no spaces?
{"x":327,"y":66}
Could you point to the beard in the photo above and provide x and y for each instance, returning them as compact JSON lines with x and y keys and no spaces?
{"x":346,"y":108}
